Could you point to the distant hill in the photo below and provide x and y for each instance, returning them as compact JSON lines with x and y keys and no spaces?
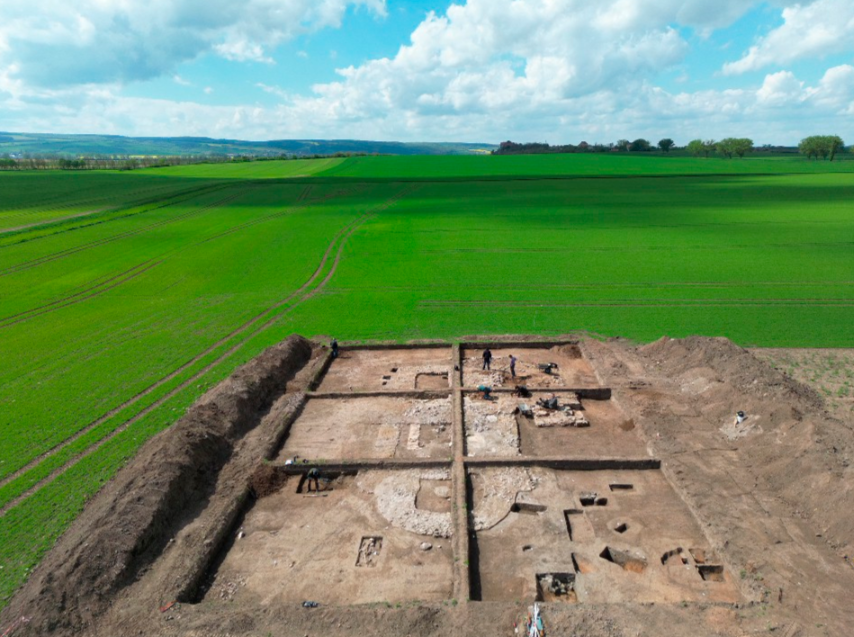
{"x":88,"y":145}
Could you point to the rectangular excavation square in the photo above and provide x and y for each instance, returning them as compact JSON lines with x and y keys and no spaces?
{"x":508,"y":425}
{"x":389,"y":370}
{"x":530,"y":521}
{"x":558,"y":366}
{"x":362,"y":539}
{"x":371,"y":427}
{"x":369,"y":551}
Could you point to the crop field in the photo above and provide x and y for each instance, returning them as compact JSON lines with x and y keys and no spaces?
{"x":124,"y":296}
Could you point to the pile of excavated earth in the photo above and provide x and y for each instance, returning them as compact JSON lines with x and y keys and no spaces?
{"x":680,"y":488}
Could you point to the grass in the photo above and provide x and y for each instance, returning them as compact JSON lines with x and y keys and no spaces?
{"x":253,"y":170}
{"x":577,"y":165}
{"x":33,"y":198}
{"x":113,"y":323}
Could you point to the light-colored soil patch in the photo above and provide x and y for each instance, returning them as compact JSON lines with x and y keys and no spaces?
{"x":352,"y":544}
{"x":635,"y":545}
{"x":371,"y":427}
{"x":392,"y":369}
{"x":494,"y":428}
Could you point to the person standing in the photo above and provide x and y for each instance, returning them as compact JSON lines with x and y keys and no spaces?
{"x":487,"y":358}
{"x":314,"y":476}
{"x":334,"y":346}
{"x":512,"y":366}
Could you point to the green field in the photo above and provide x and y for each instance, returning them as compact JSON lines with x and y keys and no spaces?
{"x":131,"y":293}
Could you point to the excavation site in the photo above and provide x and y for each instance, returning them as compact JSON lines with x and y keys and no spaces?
{"x":679,"y":488}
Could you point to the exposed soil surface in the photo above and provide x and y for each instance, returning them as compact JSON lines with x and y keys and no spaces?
{"x":345,"y":544}
{"x":497,"y":428}
{"x":615,"y":543}
{"x":745,"y":528}
{"x":371,"y":427}
{"x":570,"y":370}
{"x":391,"y":369}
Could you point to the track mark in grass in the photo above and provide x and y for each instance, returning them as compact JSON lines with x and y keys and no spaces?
{"x":662,"y":303}
{"x":79,"y":297}
{"x":58,"y":226}
{"x":30,"y":226}
{"x":26,"y":265}
{"x":208,"y":351}
{"x":132,"y":273}
{"x":304,"y":293}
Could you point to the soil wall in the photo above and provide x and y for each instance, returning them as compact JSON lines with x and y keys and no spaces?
{"x":127,"y":525}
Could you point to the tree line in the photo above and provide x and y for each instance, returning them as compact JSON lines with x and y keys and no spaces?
{"x":539,"y":148}
{"x":729,"y":147}
{"x":824,"y":146}
{"x":814,"y":147}
{"x":48,"y":162}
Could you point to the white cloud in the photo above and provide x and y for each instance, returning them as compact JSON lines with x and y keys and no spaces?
{"x":61,"y":43}
{"x":835,"y":91}
{"x":781,"y":89}
{"x":180,"y":80}
{"x":562,"y":70}
{"x":273,"y":90}
{"x":814,"y":29}
{"x":465,"y":61}
{"x":782,"y":109}
{"x":243,"y":51}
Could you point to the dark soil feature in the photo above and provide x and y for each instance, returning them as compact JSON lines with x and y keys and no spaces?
{"x":130,"y":522}
{"x":267,"y":481}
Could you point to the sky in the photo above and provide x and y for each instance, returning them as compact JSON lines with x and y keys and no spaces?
{"x":556,"y":71}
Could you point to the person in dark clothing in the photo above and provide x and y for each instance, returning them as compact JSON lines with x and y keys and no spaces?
{"x":334,"y":346}
{"x":512,"y":366}
{"x":314,"y":476}
{"x":487,"y":358}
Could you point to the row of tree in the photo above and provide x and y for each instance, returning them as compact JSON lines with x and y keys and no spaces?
{"x":642,"y":145}
{"x":46,"y":162}
{"x":729,"y":147}
{"x":824,"y":146}
{"x":637,"y":146}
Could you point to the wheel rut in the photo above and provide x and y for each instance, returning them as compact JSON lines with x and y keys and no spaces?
{"x":27,"y":265}
{"x":299,"y":296}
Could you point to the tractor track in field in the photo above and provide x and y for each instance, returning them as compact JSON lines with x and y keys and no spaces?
{"x":26,"y":265}
{"x":302,"y":199}
{"x":299,"y":296}
{"x":144,"y":194}
{"x":128,"y":275}
{"x":59,"y":219}
{"x":602,"y":286}
{"x":53,"y":220}
{"x":89,"y":293}
{"x":687,"y":303}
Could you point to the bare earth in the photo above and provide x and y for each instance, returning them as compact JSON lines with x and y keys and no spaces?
{"x":441,"y":513}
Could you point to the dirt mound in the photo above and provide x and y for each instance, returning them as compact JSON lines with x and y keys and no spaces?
{"x":267,"y":481}
{"x":811,"y":452}
{"x":125,"y":527}
{"x":731,"y":363}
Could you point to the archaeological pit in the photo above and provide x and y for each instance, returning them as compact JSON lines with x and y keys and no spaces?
{"x":429,"y":489}
{"x":404,"y":489}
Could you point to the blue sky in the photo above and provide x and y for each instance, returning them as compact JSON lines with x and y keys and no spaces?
{"x":430,"y":70}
